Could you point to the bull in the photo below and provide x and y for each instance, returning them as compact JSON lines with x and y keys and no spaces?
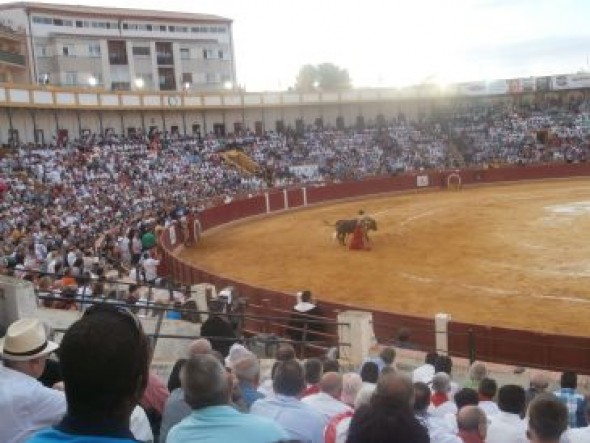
{"x":346,"y":227}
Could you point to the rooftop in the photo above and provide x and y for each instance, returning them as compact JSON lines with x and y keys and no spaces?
{"x":113,"y":12}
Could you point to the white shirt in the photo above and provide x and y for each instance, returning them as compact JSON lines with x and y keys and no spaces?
{"x":326,"y":405}
{"x":489,"y":407}
{"x":151,"y":268}
{"x":139,"y":425}
{"x":26,"y":406}
{"x":576,"y":435}
{"x":439,"y":430}
{"x":448,"y":407}
{"x":506,"y":428}
{"x":423,"y":374}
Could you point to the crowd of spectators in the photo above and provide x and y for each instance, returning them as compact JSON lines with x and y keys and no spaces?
{"x":75,"y":220}
{"x":65,"y":209}
{"x":104,"y":391}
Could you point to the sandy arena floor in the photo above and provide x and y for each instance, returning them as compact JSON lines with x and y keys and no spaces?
{"x":512,"y":255}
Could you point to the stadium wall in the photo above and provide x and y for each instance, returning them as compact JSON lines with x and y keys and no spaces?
{"x":25,"y":109}
{"x":490,"y":343}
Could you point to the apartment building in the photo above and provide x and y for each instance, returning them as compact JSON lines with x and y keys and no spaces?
{"x":124,"y":49}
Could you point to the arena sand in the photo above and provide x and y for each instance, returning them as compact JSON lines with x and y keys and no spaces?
{"x":513,"y":255}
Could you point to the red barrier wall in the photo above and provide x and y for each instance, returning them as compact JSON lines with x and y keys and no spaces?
{"x":509,"y":346}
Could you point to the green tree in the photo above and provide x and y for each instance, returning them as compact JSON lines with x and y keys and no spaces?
{"x":323,"y":77}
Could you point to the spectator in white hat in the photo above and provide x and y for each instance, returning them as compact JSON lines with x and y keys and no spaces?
{"x":26,"y":404}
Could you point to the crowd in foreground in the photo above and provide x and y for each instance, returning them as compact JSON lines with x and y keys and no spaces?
{"x":102,"y":390}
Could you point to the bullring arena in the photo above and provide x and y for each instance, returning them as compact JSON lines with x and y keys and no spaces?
{"x":503,"y":255}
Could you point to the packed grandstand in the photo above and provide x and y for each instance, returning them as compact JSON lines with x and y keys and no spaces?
{"x":80,"y":216}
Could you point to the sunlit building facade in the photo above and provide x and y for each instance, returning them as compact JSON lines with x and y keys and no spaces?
{"x":124,"y":49}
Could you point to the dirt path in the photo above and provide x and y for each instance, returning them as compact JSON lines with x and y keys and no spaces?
{"x":515,"y":255}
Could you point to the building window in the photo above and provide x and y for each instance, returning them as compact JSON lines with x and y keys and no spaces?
{"x":187,"y":77}
{"x":68,"y":50}
{"x":220,"y":54}
{"x":209,"y":54}
{"x":42,"y":20}
{"x":94,"y":49}
{"x":41,"y":51}
{"x":117,"y":52}
{"x":148,"y":27}
{"x":185,"y":53}
{"x":162,"y":28}
{"x":141,"y":51}
{"x":71,"y":78}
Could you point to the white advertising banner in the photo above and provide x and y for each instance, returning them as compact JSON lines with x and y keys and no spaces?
{"x":422,"y":181}
{"x":572,"y":81}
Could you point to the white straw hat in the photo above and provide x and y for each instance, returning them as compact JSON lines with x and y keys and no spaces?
{"x":26,"y":339}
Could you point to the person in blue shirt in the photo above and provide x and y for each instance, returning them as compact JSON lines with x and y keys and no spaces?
{"x":104,"y":361}
{"x":302,"y":422}
{"x":207,"y":390}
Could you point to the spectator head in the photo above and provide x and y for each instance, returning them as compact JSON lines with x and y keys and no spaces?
{"x":389,"y":415}
{"x":331,"y":365}
{"x":313,"y":370}
{"x":174,"y":379}
{"x":430,"y":358}
{"x":236,"y":353}
{"x":306,"y":296}
{"x":466,"y":397}
{"x":104,"y":358}
{"x":441,"y":383}
{"x":288,"y":379}
{"x":478,"y":371}
{"x":539,"y":381}
{"x":285,"y":352}
{"x":487,"y":388}
{"x":421,"y":397}
{"x":472,"y":420}
{"x":205,"y":382}
{"x":351,"y":385}
{"x":511,"y":399}
{"x":548,"y":419}
{"x":370,"y":372}
{"x":403,"y":335}
{"x":331,"y":384}
{"x":393,"y":392}
{"x":247,"y":369}
{"x":25,"y":347}
{"x":387,"y":354}
{"x":199,"y":346}
{"x":443,"y":363}
{"x":569,"y":379}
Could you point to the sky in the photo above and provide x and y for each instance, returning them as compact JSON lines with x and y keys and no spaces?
{"x":395,"y":43}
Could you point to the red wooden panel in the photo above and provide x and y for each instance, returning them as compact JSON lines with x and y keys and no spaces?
{"x":276,"y":200}
{"x":295,"y":197}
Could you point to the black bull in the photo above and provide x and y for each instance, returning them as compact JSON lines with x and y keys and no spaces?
{"x":345,"y":227}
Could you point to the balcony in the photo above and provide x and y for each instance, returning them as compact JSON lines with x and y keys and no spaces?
{"x":118,"y":59}
{"x":165,"y":59}
{"x":12,"y":58}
